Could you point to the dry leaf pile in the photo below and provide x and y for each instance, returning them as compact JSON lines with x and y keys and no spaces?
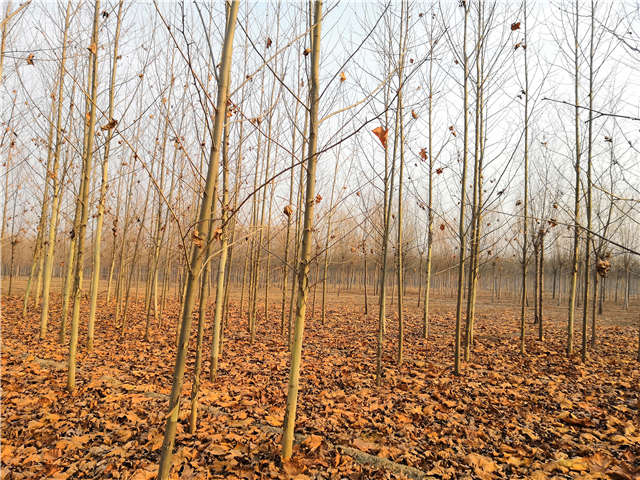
{"x":541,"y":416}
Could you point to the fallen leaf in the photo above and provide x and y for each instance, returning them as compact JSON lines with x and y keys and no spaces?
{"x":312,"y":442}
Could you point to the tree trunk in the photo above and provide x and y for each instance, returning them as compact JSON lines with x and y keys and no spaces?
{"x":82,"y":203}
{"x":95,"y":277}
{"x":463,"y":182}
{"x":56,"y":186}
{"x":303,"y":282}
{"x":576,"y":209}
{"x":197,"y":256}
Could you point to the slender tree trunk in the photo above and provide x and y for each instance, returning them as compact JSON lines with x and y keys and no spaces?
{"x":95,"y":277}
{"x":525,"y":220}
{"x":541,"y":290}
{"x":38,"y":250}
{"x":5,"y":205}
{"x":205,"y":290}
{"x":427,"y":286}
{"x":366,"y":297}
{"x":197,"y":257}
{"x":477,"y":190}
{"x":14,"y":240}
{"x":56,"y":186}
{"x":399,"y":247}
{"x":222,"y":264}
{"x":594,"y":303}
{"x":82,"y":204}
{"x":536,"y":256}
{"x":587,"y":246}
{"x":303,"y":283}
{"x":576,"y":209}
{"x":298,"y":232}
{"x":3,"y":42}
{"x":461,"y":226}
{"x":326,"y":242}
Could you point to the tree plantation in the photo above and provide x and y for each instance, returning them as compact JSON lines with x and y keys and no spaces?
{"x":321,"y":239}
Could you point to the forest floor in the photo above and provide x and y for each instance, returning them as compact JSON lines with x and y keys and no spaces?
{"x":539,"y":416}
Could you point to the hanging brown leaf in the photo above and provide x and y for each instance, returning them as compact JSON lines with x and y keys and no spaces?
{"x":30,"y":59}
{"x":442,"y":226}
{"x":318,"y":198}
{"x":109,"y":126}
{"x":414,"y":114}
{"x":306,"y":51}
{"x":439,"y":170}
{"x":197,"y":239}
{"x":269,"y":42}
{"x":93,"y":48}
{"x":603,"y":266}
{"x":423,"y":154}
{"x":452,"y":130}
{"x":288,"y":210}
{"x":343,"y":77}
{"x":382,"y":134}
{"x":515,"y":26}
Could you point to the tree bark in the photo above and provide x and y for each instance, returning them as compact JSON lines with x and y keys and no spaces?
{"x":303,"y":281}
{"x":197,"y":257}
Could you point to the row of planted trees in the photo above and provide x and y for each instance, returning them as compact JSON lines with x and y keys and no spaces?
{"x":271,"y":170}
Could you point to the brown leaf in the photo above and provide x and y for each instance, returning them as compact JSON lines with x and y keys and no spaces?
{"x":480,"y":463}
{"x":146,"y":473}
{"x":312,"y":442}
{"x":30,"y":59}
{"x":576,"y":464}
{"x":365,"y":445}
{"x":273,"y":420}
{"x":219,"y":449}
{"x":197,"y":239}
{"x":109,"y":126}
{"x":382,"y":134}
{"x":343,"y":77}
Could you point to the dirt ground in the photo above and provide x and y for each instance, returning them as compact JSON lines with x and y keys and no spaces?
{"x":539,"y":416}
